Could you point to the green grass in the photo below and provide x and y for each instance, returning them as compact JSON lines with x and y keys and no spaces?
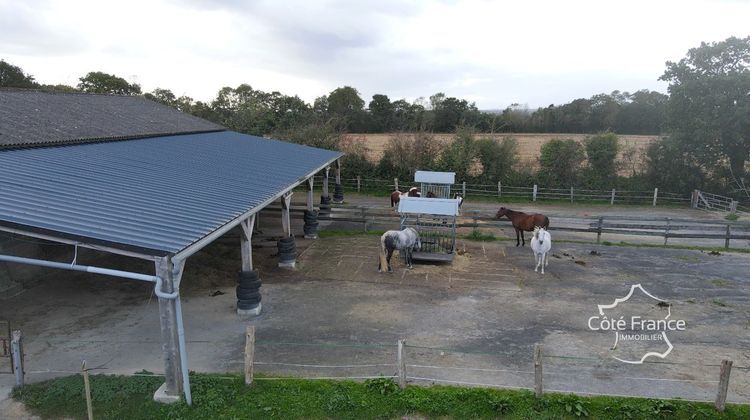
{"x":731,"y":216}
{"x":226,"y":397}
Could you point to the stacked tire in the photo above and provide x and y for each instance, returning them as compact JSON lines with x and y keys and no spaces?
{"x":325,"y":206}
{"x":248,"y":290}
{"x":338,"y":193}
{"x":287,"y":249}
{"x":311,"y":223}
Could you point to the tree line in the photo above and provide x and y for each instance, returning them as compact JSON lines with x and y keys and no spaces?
{"x":704,"y":122}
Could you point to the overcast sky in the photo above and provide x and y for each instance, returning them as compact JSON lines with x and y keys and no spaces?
{"x":492,"y":52}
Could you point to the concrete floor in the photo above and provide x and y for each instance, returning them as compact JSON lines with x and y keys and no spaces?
{"x":473,"y":322}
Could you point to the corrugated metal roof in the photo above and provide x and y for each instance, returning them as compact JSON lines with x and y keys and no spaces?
{"x":431,"y":177}
{"x":29,"y":117}
{"x":155,"y":195}
{"x":437,"y":206}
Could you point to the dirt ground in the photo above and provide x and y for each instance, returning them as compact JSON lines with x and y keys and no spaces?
{"x":473,"y":322}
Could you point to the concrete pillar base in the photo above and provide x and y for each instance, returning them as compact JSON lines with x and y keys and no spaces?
{"x":250,"y":312}
{"x":161,"y":396}
{"x":315,"y":236}
{"x":288,"y":264}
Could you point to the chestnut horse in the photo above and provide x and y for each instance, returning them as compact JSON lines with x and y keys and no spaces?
{"x":396,"y":195}
{"x":523,"y":222}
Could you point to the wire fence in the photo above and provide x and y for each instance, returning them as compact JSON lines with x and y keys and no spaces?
{"x":531,"y":193}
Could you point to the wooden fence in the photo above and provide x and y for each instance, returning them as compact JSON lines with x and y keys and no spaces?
{"x":532,"y":193}
{"x":667,"y":228}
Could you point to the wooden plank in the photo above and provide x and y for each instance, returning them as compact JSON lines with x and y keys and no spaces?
{"x":401,"y":365}
{"x":249,"y":353}
{"x":87,"y":389}
{"x":538,"y":376}
{"x":721,"y":395}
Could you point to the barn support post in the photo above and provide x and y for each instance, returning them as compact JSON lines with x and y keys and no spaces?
{"x":170,"y":391}
{"x":16,"y":350}
{"x":287,"y":247}
{"x":325,"y":198}
{"x":248,"y":284}
{"x":338,"y":189}
{"x":311,"y":216}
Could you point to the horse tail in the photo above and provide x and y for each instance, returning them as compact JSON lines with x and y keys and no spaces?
{"x":546,"y":222}
{"x":383,"y":265}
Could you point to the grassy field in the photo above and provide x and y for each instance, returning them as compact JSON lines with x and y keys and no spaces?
{"x":226,"y":396}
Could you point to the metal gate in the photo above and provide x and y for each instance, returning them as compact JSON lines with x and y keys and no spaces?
{"x":706,"y":201}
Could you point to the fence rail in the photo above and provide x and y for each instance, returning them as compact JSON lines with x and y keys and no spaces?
{"x":667,"y":228}
{"x":532,"y":193}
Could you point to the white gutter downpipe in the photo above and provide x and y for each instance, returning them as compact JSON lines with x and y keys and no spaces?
{"x":133,"y":276}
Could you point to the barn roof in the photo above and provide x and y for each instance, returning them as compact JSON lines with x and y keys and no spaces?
{"x":156,"y":195}
{"x":33,"y":118}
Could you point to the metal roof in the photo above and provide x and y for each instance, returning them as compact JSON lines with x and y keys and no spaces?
{"x":154,"y":196}
{"x":431,"y":177}
{"x":436,"y":206}
{"x":29,"y":118}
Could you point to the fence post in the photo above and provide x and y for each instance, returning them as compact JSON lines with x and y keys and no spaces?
{"x":733,"y":207}
{"x":726,"y":240}
{"x":656,"y":193}
{"x":87,"y":388}
{"x":599,"y":230}
{"x":538,"y":377}
{"x":571,"y":193}
{"x":364,"y":218}
{"x":721,"y":395}
{"x":16,"y":348}
{"x":499,"y":189}
{"x":612,"y":200}
{"x":401,"y":365}
{"x":666,"y":231}
{"x":359,"y":183}
{"x":694,"y":199}
{"x":463,"y":190}
{"x":249,"y":353}
{"x":395,"y":184}
{"x":533,"y":194}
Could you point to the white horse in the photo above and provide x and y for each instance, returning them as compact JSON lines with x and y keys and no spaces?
{"x":541,"y":244}
{"x":406,"y":240}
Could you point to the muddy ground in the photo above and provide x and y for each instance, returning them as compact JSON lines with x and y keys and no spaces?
{"x":473,"y":322}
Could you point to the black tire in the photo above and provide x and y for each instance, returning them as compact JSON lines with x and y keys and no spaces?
{"x":247,"y":295}
{"x":248,"y":275}
{"x":288,"y":257}
{"x":250,"y":285}
{"x":287,"y":250}
{"x":286,"y":240}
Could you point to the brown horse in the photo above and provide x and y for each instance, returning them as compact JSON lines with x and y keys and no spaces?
{"x":523,"y":222}
{"x":396,"y":195}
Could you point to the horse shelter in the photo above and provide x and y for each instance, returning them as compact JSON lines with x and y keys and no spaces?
{"x":435,"y":221}
{"x":135,"y":178}
{"x":435,"y":184}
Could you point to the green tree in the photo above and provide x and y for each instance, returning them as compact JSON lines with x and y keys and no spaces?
{"x":497,"y":158}
{"x":100,"y":82}
{"x":346,"y":106}
{"x":560,"y":162}
{"x":601,"y":154}
{"x":407,"y":153}
{"x":381,"y":113}
{"x":709,"y":105}
{"x":461,"y":155}
{"x":13,"y":76}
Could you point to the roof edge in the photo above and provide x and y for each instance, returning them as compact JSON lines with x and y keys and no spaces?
{"x":89,"y":140}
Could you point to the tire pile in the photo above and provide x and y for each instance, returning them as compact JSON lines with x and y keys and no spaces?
{"x":325,"y":206}
{"x":287,"y":249}
{"x":338,"y":193}
{"x":311,"y":223}
{"x":248,"y":290}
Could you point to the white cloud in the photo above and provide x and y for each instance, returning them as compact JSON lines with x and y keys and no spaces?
{"x":493,"y":52}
